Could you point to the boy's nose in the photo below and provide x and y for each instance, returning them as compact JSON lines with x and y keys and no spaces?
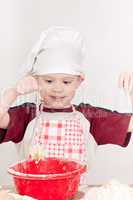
{"x":58,"y":87}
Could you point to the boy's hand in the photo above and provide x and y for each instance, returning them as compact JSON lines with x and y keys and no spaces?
{"x":126,"y":82}
{"x":4,"y":195}
{"x":27,"y":85}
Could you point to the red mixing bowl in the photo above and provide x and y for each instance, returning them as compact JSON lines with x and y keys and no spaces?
{"x":47,"y":179}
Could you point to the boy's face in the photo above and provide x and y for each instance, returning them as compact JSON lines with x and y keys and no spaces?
{"x":57,"y":90}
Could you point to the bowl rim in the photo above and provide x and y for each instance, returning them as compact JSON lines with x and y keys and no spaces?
{"x":80,"y":170}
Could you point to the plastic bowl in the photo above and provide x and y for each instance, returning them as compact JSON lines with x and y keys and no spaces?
{"x":47,"y":179}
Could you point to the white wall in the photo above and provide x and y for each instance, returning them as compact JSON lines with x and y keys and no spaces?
{"x":108,"y":27}
{"x":18,"y":21}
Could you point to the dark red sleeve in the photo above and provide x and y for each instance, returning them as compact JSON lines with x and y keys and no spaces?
{"x":106,"y":126}
{"x":20,"y":116}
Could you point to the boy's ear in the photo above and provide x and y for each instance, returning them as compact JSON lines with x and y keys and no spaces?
{"x":82,"y":77}
{"x":80,"y":80}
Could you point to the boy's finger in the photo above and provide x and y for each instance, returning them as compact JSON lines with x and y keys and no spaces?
{"x":131,"y":83}
{"x":120,"y":80}
{"x":126,"y":81}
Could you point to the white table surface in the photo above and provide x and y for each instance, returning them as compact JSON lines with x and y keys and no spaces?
{"x":80,"y":194}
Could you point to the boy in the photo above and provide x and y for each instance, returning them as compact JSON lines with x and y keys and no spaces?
{"x":55,"y":70}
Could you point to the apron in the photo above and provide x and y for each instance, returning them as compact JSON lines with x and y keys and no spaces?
{"x":60,"y":135}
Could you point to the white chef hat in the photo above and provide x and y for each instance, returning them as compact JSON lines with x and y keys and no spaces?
{"x":59,"y":50}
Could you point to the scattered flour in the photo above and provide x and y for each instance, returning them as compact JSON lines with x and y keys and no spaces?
{"x":113,"y":190}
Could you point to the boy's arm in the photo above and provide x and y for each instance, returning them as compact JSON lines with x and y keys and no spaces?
{"x":6,"y":99}
{"x":107,"y":126}
{"x":130,"y":128}
{"x":126,"y":82}
{"x":26,"y":85}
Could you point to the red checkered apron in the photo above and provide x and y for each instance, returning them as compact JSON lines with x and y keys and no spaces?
{"x":60,"y":138}
{"x":63,"y":135}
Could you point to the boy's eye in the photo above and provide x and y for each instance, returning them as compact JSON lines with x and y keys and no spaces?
{"x":66,"y":82}
{"x":49,"y":81}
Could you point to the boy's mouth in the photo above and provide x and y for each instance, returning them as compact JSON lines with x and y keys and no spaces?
{"x":57,"y":98}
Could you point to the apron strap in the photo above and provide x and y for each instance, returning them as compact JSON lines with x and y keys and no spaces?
{"x":73,"y":108}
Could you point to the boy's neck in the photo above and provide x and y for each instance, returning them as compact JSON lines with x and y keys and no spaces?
{"x":66,"y":109}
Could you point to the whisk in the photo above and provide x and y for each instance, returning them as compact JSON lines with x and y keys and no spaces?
{"x":37,"y":149}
